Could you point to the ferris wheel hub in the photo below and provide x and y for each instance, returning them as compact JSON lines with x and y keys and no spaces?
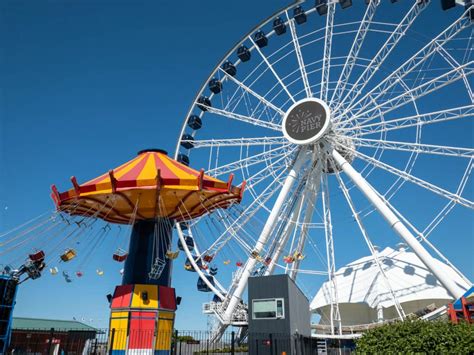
{"x":306,"y":121}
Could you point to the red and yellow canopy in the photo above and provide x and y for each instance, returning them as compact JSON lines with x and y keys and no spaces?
{"x":149,"y":186}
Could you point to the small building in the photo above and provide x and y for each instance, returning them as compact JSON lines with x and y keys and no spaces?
{"x":50,"y":336}
{"x":278,"y":313}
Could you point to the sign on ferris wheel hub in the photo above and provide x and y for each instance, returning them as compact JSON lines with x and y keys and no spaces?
{"x":306,"y":121}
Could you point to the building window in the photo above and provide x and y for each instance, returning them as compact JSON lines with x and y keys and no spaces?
{"x":270,"y":308}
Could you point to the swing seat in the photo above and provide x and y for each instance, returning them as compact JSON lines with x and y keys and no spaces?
{"x":204,"y":267}
{"x":68,"y":255}
{"x":298,"y":256}
{"x":53,"y":270}
{"x":226,"y":262}
{"x":99,"y":272}
{"x":37,"y":256}
{"x":120,"y":255}
{"x":172,"y":254}
{"x":79,"y":273}
{"x":208,"y":258}
{"x":67,"y":277}
{"x":188,"y":267}
{"x":239,"y":263}
{"x":268,"y":260}
{"x":288,"y":259}
{"x":255,"y":254}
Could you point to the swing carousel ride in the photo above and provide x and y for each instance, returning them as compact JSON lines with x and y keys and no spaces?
{"x":153,"y":194}
{"x":339,"y":116}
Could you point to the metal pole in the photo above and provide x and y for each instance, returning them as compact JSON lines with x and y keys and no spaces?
{"x":112,"y":338}
{"x":51,"y":335}
{"x":271,"y":344}
{"x":232,"y":344}
{"x":396,"y":224}
{"x":266,"y":232}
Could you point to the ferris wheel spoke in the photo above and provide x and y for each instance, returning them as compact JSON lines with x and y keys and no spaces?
{"x":354,"y":52}
{"x":327,"y":51}
{"x":251,"y":160}
{"x":312,"y":195}
{"x":270,"y":66}
{"x":415,"y":93}
{"x":247,"y":214}
{"x":247,"y":89}
{"x":415,"y":147}
{"x":412,"y":121}
{"x":421,"y":236}
{"x":266,"y":172}
{"x":450,"y":205}
{"x":454,"y":63}
{"x":363,"y":231}
{"x":415,"y":180}
{"x":299,"y":55}
{"x":242,"y":118}
{"x":236,"y":142}
{"x":434,"y":46}
{"x":379,"y":58}
{"x":335,"y":316}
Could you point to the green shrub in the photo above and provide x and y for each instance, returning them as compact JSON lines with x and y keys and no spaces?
{"x":418,"y":337}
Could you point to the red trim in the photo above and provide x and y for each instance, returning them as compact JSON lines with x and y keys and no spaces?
{"x":229,"y":182}
{"x":77,"y":188}
{"x":55,"y":195}
{"x":201,"y":179}
{"x":242,"y":189}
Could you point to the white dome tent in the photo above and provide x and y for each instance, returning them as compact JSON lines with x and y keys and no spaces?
{"x":365,"y":296}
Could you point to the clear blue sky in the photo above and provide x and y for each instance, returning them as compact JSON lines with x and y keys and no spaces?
{"x":84,"y":86}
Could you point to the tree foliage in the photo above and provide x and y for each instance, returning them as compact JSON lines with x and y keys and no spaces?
{"x":420,"y":337}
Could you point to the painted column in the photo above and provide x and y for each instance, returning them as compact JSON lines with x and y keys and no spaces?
{"x":150,"y":240}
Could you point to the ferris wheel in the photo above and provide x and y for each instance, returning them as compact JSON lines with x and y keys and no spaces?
{"x":350,"y":123}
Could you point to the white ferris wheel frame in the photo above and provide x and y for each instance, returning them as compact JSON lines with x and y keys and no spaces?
{"x":231,"y":299}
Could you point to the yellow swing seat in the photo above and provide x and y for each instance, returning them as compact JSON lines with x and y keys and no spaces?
{"x":68,"y":255}
{"x":172,"y":254}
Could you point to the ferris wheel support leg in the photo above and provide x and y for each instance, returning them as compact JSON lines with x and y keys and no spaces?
{"x":396,"y":224}
{"x":266,"y":232}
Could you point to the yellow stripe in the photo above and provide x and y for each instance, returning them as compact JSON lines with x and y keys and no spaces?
{"x":164,"y":331}
{"x":185,"y":178}
{"x":131,"y":166}
{"x":148,"y":171}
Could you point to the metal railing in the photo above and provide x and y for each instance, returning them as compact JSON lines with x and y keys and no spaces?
{"x":97,"y":342}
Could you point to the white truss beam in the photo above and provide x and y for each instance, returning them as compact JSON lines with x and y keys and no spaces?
{"x":395,"y":223}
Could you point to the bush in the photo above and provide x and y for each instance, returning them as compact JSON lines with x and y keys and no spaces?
{"x":408,"y":337}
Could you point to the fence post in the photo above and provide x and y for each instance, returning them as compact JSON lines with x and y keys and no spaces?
{"x":112,"y":338}
{"x":232,"y":344}
{"x":95,"y":346}
{"x":51,"y":335}
{"x":174,"y":347}
{"x":207,"y":346}
{"x":271,"y":344}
